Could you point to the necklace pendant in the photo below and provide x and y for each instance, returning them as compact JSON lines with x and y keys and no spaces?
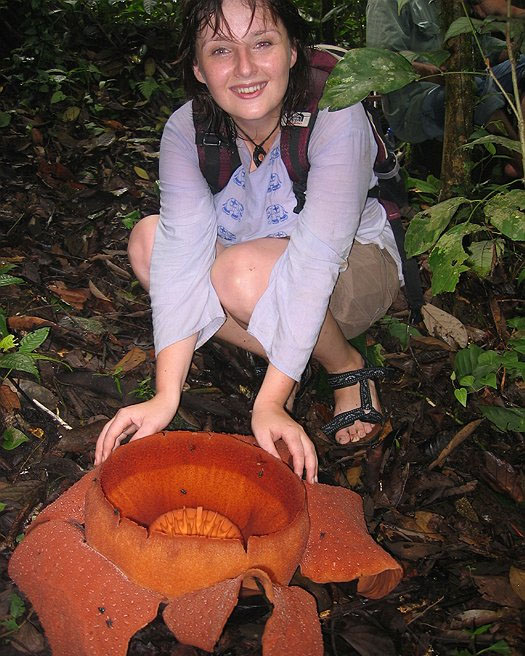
{"x":258,"y":155}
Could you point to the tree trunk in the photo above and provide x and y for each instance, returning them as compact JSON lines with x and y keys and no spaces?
{"x":455,"y":164}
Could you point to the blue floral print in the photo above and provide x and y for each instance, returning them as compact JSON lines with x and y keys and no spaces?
{"x":225,"y":234}
{"x":276,"y":214}
{"x":233,"y":208}
{"x":275,"y":183}
{"x":240,"y":178}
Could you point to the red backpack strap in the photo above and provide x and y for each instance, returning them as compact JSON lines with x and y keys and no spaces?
{"x":218,"y":159}
{"x":296,"y":135}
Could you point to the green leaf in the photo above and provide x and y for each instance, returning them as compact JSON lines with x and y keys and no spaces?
{"x":400,"y":5}
{"x":16,"y":606}
{"x":7,"y":343}
{"x":504,"y":212}
{"x":499,"y":647}
{"x":33,"y":340}
{"x":426,"y":227}
{"x":10,"y":280}
{"x":461,"y":395}
{"x":19,"y":362}
{"x":447,"y":257}
{"x":57,"y":97}
{"x":3,"y":324}
{"x":506,"y":419}
{"x":363,"y":70}
{"x":12,"y":437}
{"x":400,"y":330}
{"x":2,"y":506}
{"x":521,"y":276}
{"x":131,"y":219}
{"x":71,"y":114}
{"x":484,"y":255}
{"x":505,"y":142}
{"x":462,"y":25}
{"x":477,"y":368}
{"x":518,"y":323}
{"x":431,"y":185}
{"x":5,"y":119}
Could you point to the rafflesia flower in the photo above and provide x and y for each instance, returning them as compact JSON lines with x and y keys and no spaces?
{"x":186,"y":520}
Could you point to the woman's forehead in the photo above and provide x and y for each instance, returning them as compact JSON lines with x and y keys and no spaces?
{"x":238,"y":20}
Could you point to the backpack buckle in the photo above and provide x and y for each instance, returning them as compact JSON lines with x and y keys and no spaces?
{"x":211,"y":139}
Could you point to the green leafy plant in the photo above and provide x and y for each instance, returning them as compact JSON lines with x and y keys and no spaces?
{"x":144,"y":390}
{"x":476,"y":368}
{"x":498,"y":647}
{"x":399,"y":330}
{"x":16,"y":610}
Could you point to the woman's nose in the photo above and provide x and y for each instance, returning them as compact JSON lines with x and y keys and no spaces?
{"x":245,"y":64}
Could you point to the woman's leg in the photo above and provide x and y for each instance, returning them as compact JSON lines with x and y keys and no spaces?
{"x":240,"y":276}
{"x":140,"y":247}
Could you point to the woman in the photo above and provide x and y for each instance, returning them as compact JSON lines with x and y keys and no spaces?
{"x":241,"y":265}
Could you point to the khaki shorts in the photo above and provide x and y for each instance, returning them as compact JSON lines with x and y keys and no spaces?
{"x":364,"y":292}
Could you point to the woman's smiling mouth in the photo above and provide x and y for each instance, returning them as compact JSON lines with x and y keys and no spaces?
{"x":249,"y":90}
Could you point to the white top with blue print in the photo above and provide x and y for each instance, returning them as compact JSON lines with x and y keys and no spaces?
{"x":288,"y":317}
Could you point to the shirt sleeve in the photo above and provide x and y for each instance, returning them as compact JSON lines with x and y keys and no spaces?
{"x":183,"y":299}
{"x":288,"y":317}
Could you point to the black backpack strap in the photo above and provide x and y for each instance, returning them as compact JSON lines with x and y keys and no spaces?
{"x":218,"y":159}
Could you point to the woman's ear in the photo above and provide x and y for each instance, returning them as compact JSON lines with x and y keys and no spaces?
{"x":198,"y":74}
{"x":293,"y":56}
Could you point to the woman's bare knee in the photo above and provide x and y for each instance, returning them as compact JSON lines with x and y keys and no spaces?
{"x":240,"y":274}
{"x":140,"y":247}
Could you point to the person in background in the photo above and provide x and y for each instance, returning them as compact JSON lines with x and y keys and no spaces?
{"x":416,"y":112}
{"x":241,"y":265}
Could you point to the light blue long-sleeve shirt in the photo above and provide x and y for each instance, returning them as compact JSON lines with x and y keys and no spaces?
{"x":288,"y":317}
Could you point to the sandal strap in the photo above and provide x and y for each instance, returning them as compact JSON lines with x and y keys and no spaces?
{"x":349,"y":378}
{"x":345,"y":419}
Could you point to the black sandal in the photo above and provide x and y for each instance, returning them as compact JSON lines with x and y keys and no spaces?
{"x":366,"y":412}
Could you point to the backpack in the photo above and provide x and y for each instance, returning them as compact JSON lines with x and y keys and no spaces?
{"x":218,"y":161}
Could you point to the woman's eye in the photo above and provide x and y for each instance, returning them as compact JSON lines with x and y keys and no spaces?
{"x":219,"y":51}
{"x":263,"y":44}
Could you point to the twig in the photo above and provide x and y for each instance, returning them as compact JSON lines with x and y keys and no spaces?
{"x":459,"y":437}
{"x":416,"y":617}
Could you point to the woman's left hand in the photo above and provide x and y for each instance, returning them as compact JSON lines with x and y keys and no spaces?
{"x":270,"y":422}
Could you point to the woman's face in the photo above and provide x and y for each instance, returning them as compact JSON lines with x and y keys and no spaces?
{"x":246,"y":73}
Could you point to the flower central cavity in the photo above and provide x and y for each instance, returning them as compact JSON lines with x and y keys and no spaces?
{"x":195,"y":521}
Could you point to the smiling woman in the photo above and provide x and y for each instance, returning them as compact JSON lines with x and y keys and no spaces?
{"x":246,"y":254}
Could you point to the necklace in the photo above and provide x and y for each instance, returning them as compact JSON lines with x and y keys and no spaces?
{"x":258,"y":152}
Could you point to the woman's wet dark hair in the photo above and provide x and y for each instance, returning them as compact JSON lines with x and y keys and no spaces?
{"x":197,"y":14}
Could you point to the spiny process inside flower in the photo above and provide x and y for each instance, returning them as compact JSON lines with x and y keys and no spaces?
{"x":195,"y":521}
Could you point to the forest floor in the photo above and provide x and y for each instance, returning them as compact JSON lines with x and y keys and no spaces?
{"x":442,"y":491}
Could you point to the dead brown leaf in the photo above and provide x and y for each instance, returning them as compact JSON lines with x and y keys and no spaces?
{"x":498,"y":590}
{"x":75,"y":297}
{"x":442,"y":324}
{"x":96,"y":292}
{"x":8,"y":399}
{"x":28,"y":640}
{"x":25,"y":322}
{"x":132,"y":359}
{"x":499,"y":319}
{"x":517,"y":581}
{"x":503,"y":477}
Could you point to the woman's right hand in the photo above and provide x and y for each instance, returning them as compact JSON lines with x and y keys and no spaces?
{"x":137,"y":420}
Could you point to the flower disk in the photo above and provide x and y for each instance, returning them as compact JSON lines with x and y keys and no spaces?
{"x":256,"y":502}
